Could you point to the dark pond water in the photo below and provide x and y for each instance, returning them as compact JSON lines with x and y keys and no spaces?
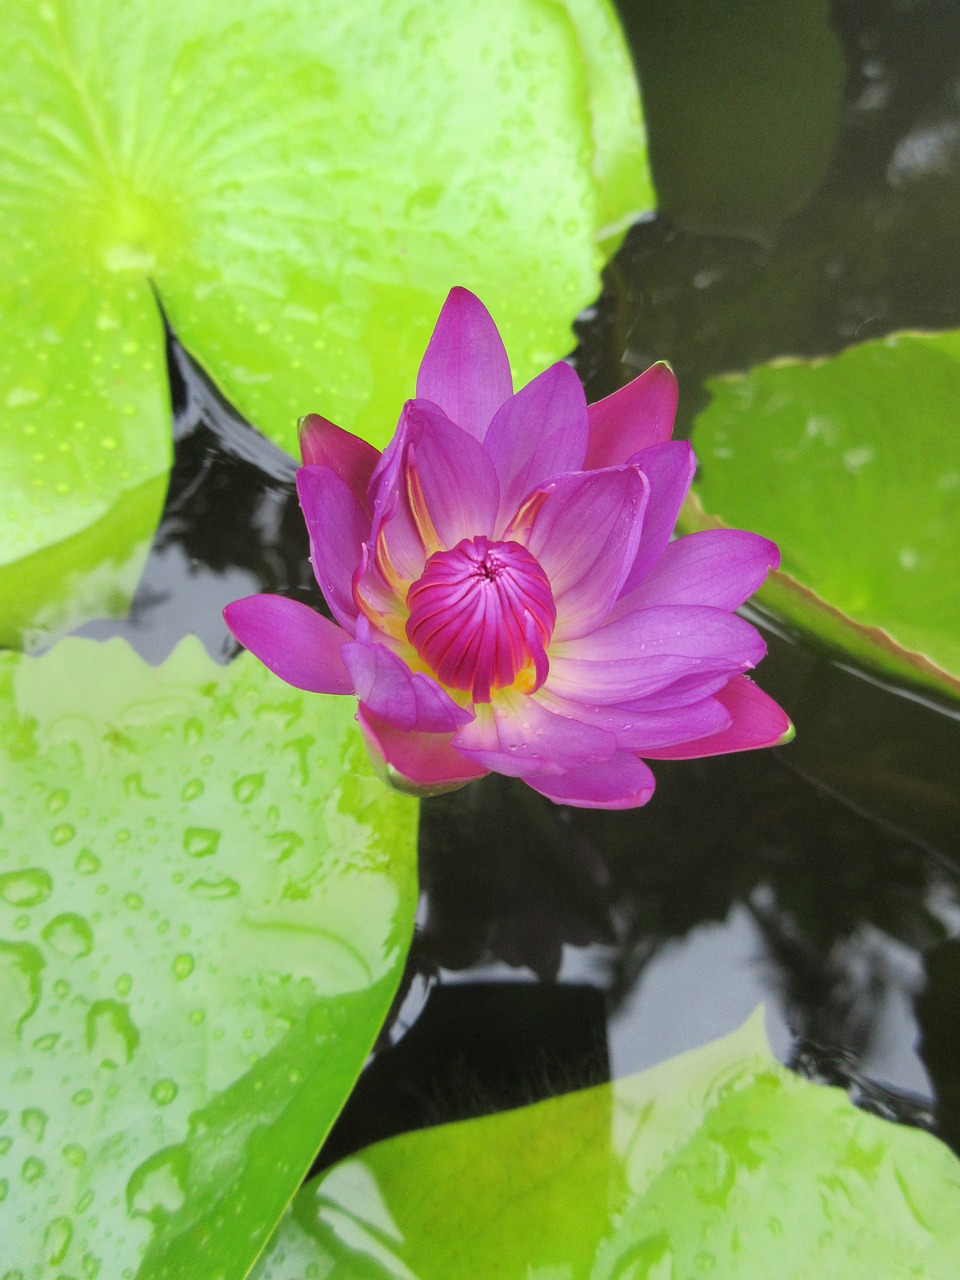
{"x":558,"y":948}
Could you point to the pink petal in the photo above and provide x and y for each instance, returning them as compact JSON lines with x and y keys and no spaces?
{"x":392,"y":692}
{"x":538,"y":433}
{"x":622,"y":782}
{"x":322,"y":444}
{"x":517,"y":736}
{"x":420,"y":763}
{"x":337,"y":525}
{"x":756,"y":721}
{"x":669,"y":468}
{"x":635,"y":417}
{"x":641,"y":653}
{"x":685,"y":691}
{"x":451,"y":484}
{"x":395,"y":541}
{"x":584,"y":529}
{"x":377,"y":600}
{"x":718,"y":567}
{"x":641,"y":729}
{"x":297,"y":644}
{"x":465,"y":369}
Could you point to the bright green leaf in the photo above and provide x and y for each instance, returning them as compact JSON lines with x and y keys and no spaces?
{"x":852,"y":465}
{"x":718,"y":1163}
{"x":301,"y":183}
{"x":205,"y":904}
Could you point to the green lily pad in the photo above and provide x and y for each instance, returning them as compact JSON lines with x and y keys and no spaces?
{"x":718,"y":1163}
{"x":206,"y":900}
{"x":852,"y":465}
{"x":301,"y":184}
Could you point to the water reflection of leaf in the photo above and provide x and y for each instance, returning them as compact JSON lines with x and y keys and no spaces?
{"x":717,"y":1162}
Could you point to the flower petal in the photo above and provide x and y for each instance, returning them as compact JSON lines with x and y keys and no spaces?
{"x":584,"y":529}
{"x":300,"y":646}
{"x":398,"y":696}
{"x":322,"y":444}
{"x":718,"y":567}
{"x":622,"y":782}
{"x":421,"y":764}
{"x":644,"y":651}
{"x":637,"y":416}
{"x":642,"y":729}
{"x":685,"y":691}
{"x":669,"y":468}
{"x":395,"y":542}
{"x":465,"y":369}
{"x":451,"y":485}
{"x":377,"y":600}
{"x":538,"y":433}
{"x":337,"y":525}
{"x":755,"y":721}
{"x":517,"y":736}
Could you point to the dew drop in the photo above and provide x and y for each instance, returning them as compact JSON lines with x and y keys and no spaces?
{"x":32,"y":1169}
{"x":57,"y":800}
{"x":164,"y":1092}
{"x":20,"y":967}
{"x":183,"y":965}
{"x":192,"y":789}
{"x":27,"y":888}
{"x":200,"y":842}
{"x":223,"y":887}
{"x":82,"y":1097}
{"x":111,"y":1035}
{"x":74,"y":1154}
{"x":57,"y":1239}
{"x":157,"y":1187}
{"x":63,"y":833}
{"x":34,"y":1122}
{"x":87,"y":863}
{"x":69,"y":934}
{"x":248,"y":788}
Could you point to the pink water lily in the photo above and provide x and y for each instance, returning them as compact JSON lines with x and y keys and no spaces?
{"x":507,"y":593}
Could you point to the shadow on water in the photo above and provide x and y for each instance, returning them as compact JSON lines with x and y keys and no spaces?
{"x":556,"y":947}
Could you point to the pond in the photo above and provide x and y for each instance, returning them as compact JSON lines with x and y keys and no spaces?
{"x":557,"y":948}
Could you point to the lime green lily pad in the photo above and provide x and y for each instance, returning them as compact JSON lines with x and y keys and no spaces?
{"x":852,"y":465}
{"x":301,"y":183}
{"x":206,"y":900}
{"x":718,"y":1163}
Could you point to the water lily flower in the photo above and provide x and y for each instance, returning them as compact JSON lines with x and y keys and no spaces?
{"x":506,"y":592}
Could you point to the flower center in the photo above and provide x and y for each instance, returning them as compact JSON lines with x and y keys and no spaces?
{"x":481,"y":614}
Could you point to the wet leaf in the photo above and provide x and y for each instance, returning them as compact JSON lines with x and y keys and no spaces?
{"x":205,"y":904}
{"x":852,"y":465}
{"x":300,"y":184}
{"x":719,"y":1162}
